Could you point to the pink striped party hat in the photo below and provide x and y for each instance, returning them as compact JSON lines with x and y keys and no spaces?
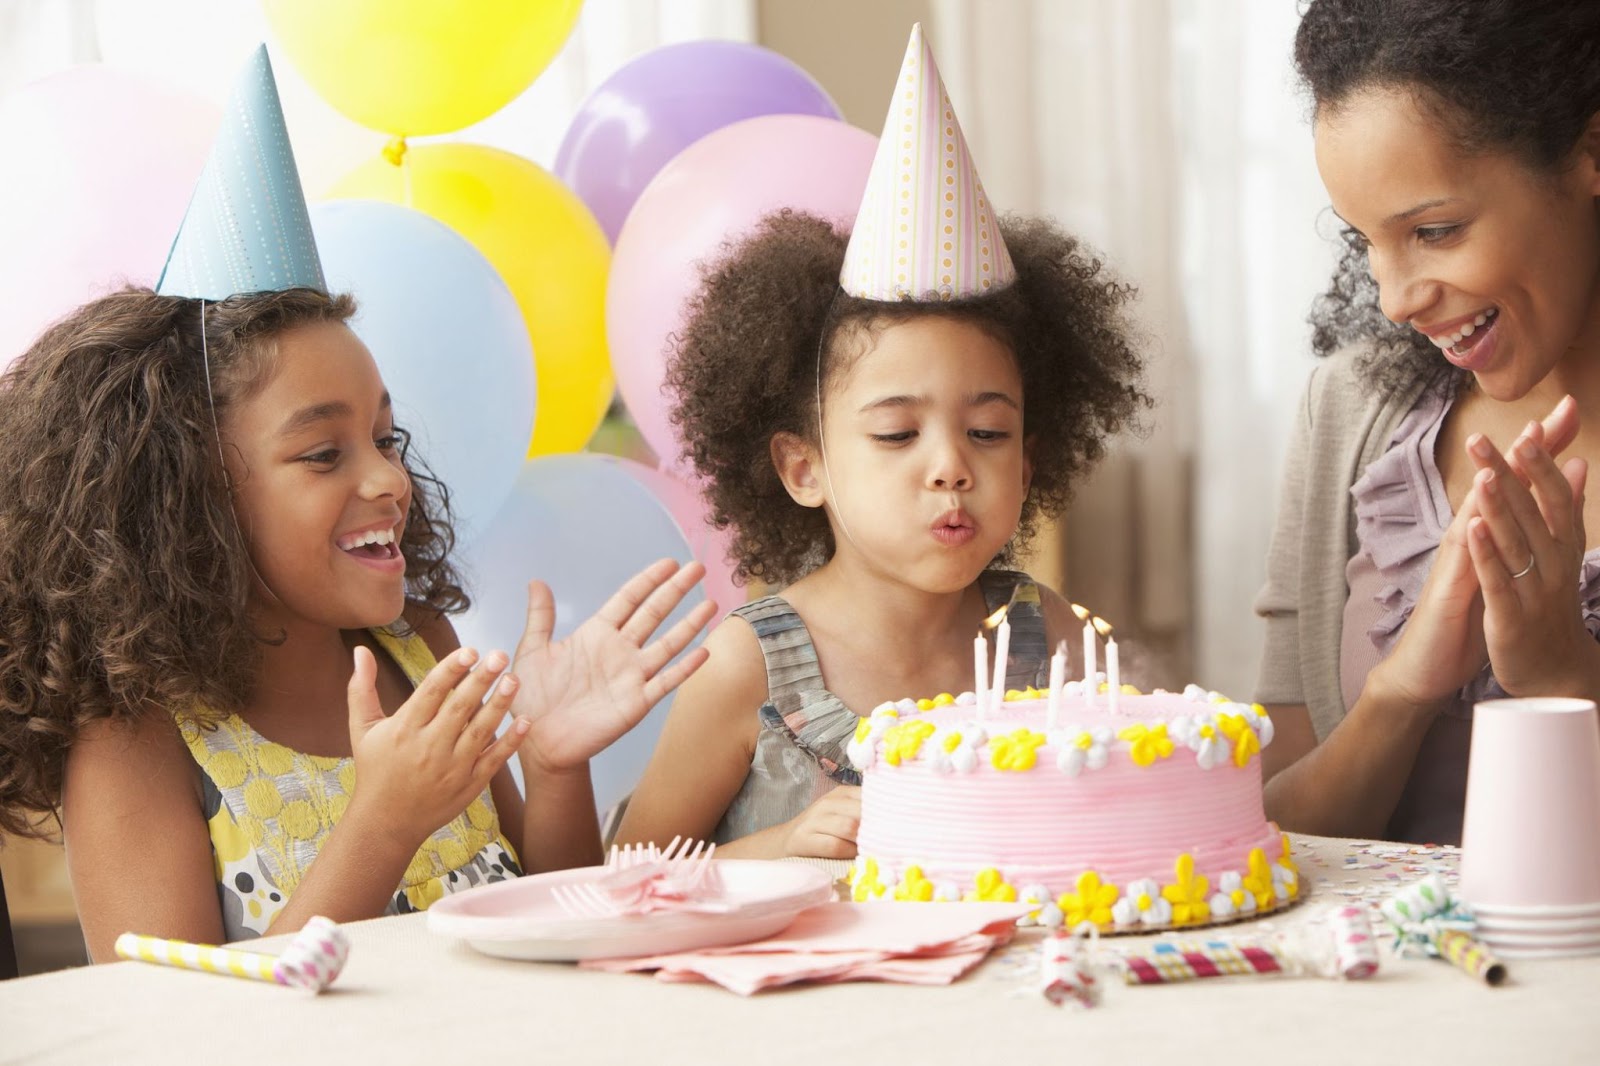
{"x":925,"y":230}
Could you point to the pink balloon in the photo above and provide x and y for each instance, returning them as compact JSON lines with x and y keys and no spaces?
{"x":710,"y":546}
{"x":98,"y":169}
{"x":715,"y":190}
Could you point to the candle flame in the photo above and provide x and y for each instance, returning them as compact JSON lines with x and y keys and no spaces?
{"x":995,"y":619}
{"x":1081,"y":611}
{"x":1101,"y":626}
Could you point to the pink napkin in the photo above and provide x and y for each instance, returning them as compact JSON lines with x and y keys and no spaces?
{"x":913,"y":943}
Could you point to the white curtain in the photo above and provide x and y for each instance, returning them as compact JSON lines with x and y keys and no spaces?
{"x":1170,"y":135}
{"x":202,"y":44}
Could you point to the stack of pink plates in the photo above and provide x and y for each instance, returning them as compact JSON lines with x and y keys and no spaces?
{"x":524,"y":919}
{"x":1531,"y":931}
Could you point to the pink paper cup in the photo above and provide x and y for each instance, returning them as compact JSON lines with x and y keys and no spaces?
{"x":1528,"y":836}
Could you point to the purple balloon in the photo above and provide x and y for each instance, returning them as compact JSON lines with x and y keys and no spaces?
{"x":662,"y":102}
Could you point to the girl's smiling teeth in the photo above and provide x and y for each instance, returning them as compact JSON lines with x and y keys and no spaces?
{"x":372,"y":544}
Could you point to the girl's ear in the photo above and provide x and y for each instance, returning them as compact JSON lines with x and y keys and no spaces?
{"x":797,"y":465}
{"x":1589,"y":153}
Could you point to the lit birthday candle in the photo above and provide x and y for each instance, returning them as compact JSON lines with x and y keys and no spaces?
{"x":1113,"y":671}
{"x":1088,"y":653}
{"x":1002,"y":651}
{"x":1058,"y":678}
{"x":980,"y":648}
{"x":980,"y":670}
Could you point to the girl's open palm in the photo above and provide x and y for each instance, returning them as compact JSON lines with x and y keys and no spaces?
{"x":580,"y":694}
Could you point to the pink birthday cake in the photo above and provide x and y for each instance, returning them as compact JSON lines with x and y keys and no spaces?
{"x":1147,"y":815}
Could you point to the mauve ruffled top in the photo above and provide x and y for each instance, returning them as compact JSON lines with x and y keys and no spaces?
{"x":1401,"y":515}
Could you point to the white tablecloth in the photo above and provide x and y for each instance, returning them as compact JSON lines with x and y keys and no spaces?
{"x":409,"y":996}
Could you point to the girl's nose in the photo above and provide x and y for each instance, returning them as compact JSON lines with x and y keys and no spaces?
{"x":950,"y":471}
{"x":385,"y":476}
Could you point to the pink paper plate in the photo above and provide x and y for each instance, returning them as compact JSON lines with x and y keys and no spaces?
{"x":521,"y":919}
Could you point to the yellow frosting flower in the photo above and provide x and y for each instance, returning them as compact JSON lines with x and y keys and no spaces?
{"x":1245,"y":741}
{"x":943,"y":699}
{"x":1016,"y":751}
{"x":1147,"y":743}
{"x":1258,"y":882}
{"x":863,"y":730}
{"x":925,"y":705}
{"x":952,"y":741}
{"x":1190,"y":895}
{"x":865,"y":884}
{"x":902,"y":742}
{"x":1090,"y":903}
{"x":1287,"y":863}
{"x":991,"y":887}
{"x":913,"y":887}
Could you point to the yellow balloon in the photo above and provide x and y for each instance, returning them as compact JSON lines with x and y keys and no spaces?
{"x":548,"y":248}
{"x":415,"y":67}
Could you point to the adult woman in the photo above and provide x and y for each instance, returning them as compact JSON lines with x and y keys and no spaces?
{"x":1432,"y":550}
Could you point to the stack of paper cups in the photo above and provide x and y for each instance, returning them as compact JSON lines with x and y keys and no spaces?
{"x":1530,"y":860}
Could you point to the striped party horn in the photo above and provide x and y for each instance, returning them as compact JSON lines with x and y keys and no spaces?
{"x":312,"y":960}
{"x":1471,"y":956}
{"x":1190,"y":960}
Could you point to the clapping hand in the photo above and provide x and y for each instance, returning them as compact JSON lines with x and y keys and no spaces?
{"x":1444,"y":645}
{"x":1527,"y":546}
{"x":579,"y":694}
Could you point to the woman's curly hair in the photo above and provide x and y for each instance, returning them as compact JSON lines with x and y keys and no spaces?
{"x":745,"y":368}
{"x":125,"y":579}
{"x":1517,"y":76}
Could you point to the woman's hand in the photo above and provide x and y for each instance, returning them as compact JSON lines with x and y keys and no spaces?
{"x":580,"y":694}
{"x":1527,"y":547}
{"x":1443,"y":645}
{"x":826,"y":829}
{"x":423,"y":765}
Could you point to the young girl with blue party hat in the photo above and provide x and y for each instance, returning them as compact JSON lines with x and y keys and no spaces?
{"x":225,"y":663}
{"x":882,"y":418}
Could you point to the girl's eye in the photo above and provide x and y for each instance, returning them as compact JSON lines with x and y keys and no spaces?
{"x":391,"y":443}
{"x":327,"y":457}
{"x":894,"y":438}
{"x":988,"y":434}
{"x":1435,"y":234}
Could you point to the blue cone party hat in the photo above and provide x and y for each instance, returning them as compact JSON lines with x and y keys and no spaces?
{"x":247,"y":228}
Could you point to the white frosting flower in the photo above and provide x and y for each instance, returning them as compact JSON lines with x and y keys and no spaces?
{"x":1142,"y":903}
{"x":1261,"y":723}
{"x":967,"y":699}
{"x":1212,"y":751}
{"x":1196,"y":694}
{"x":1222,"y":905}
{"x":1283,"y":879}
{"x":1049,"y":916}
{"x":1182,"y":730}
{"x":946,"y":892}
{"x":905,"y":706}
{"x":1077,"y":749}
{"x":955,"y":747}
{"x":1037,"y":894}
{"x":863,"y":747}
{"x":1240,"y":900}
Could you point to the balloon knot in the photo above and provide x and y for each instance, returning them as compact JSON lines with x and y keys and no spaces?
{"x":395,"y":151}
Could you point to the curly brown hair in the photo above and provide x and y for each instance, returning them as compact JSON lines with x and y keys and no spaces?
{"x":125,"y":579}
{"x":745,"y":368}
{"x":1516,"y":76}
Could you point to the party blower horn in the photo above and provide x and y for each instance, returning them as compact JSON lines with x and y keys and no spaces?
{"x":312,"y":960}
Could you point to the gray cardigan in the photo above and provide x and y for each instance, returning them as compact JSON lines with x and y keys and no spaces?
{"x":1343,"y":426}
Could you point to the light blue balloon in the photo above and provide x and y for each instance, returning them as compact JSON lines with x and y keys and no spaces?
{"x":583,"y":525}
{"x":450,"y":343}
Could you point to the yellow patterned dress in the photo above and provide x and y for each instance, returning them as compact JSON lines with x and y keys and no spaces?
{"x":269,"y":808}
